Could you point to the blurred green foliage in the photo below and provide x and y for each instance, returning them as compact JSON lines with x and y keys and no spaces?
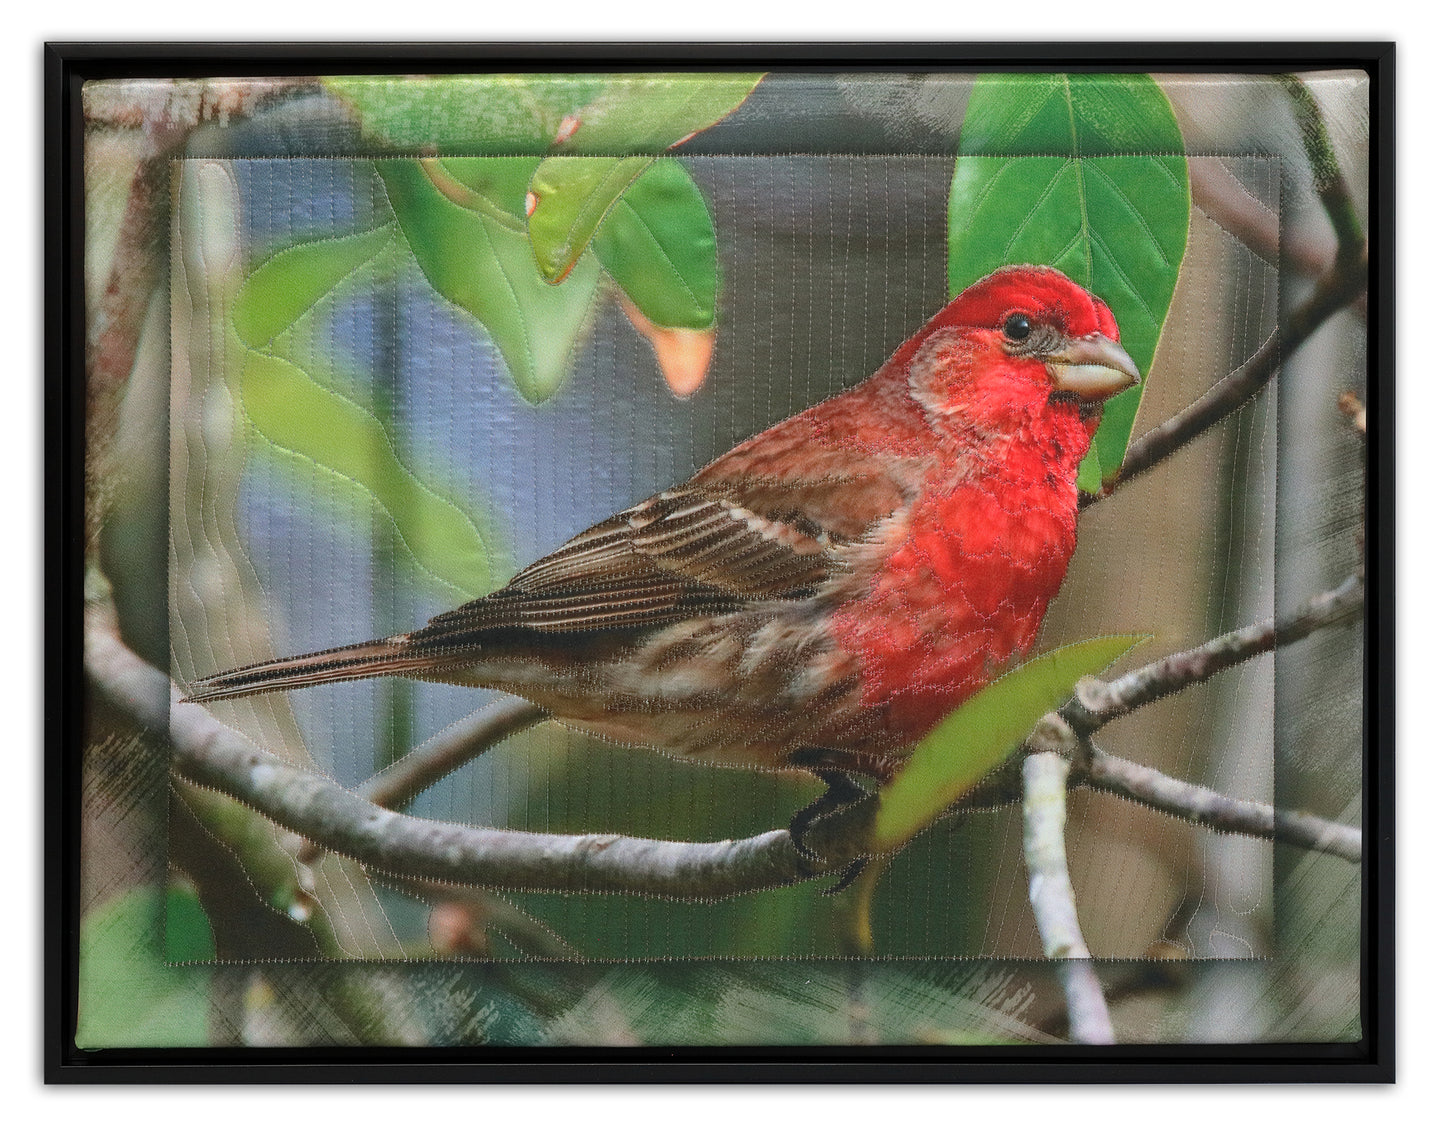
{"x":298,"y":415}
{"x":573,"y":163}
{"x":130,"y":995}
{"x":464,"y":221}
{"x":487,"y":268}
{"x":507,"y":115}
{"x":290,"y":283}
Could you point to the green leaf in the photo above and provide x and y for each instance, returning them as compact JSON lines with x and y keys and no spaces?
{"x":324,"y":428}
{"x":617,"y":115}
{"x":188,"y":930}
{"x":660,"y":247}
{"x":487,"y":269}
{"x":570,"y":196}
{"x":1085,"y":173}
{"x":291,"y":282}
{"x":129,"y":996}
{"x":648,"y":113}
{"x":503,"y":181}
{"x":957,"y":754}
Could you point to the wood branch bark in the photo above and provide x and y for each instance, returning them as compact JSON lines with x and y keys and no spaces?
{"x":208,"y":754}
{"x":1340,"y":286}
{"x":1097,"y":702}
{"x":1153,"y":788}
{"x":1045,"y":782}
{"x":450,"y":750}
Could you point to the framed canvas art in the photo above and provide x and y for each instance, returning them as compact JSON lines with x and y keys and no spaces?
{"x":795,"y":562}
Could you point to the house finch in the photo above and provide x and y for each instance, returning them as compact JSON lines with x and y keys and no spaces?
{"x":827,"y":591}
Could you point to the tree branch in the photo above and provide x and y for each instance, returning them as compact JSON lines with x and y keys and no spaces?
{"x":210,"y":755}
{"x":1097,"y":702}
{"x":1214,"y":189}
{"x":1335,"y":291}
{"x":1052,"y":895}
{"x":1153,"y":788}
{"x":452,"y":749}
{"x":1345,"y":281}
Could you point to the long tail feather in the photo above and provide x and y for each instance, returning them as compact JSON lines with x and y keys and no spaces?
{"x":350,"y":662}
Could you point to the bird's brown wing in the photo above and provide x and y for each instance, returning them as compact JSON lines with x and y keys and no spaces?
{"x":710,"y":546}
{"x":679,"y":554}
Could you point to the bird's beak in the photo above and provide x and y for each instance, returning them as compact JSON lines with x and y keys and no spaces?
{"x":1092,"y":368}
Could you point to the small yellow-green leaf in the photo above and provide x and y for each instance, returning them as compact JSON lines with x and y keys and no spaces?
{"x":326,"y":429}
{"x":957,"y":754}
{"x":569,"y":197}
{"x":294,"y":280}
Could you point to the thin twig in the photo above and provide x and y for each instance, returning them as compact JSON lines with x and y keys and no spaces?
{"x":449,"y":750}
{"x":1097,"y":702}
{"x":439,"y":756}
{"x":210,"y":755}
{"x":1215,"y":189}
{"x":1153,"y":788}
{"x":1334,"y":292}
{"x":1045,"y":775}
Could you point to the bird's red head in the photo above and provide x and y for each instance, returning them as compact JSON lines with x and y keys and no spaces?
{"x":1043,"y":294}
{"x":1024,"y":352}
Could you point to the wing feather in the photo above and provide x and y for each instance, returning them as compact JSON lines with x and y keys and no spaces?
{"x":680,"y":554}
{"x":724,"y":539}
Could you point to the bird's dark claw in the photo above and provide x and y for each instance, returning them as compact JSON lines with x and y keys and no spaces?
{"x":853,"y":871}
{"x":841,"y":793}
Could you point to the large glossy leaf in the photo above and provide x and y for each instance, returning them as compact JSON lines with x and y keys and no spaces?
{"x":294,"y":280}
{"x":325,"y":429}
{"x":1085,"y":173}
{"x":660,"y":247}
{"x":956,"y":755}
{"x":516,"y":114}
{"x":569,"y":198}
{"x":129,"y":995}
{"x":486,"y":268}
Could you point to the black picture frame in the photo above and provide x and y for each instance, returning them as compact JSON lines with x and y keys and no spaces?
{"x":69,"y":65}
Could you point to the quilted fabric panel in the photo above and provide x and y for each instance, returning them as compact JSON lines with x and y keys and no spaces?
{"x":377,"y":408}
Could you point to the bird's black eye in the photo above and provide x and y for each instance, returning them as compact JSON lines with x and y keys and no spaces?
{"x":1016,"y":327}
